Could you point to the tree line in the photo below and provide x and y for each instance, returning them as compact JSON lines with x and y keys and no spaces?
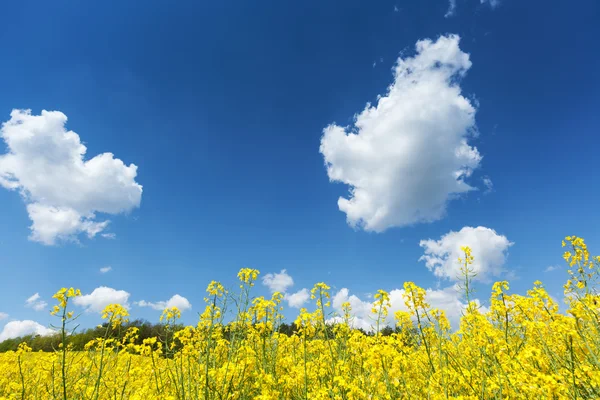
{"x":146,"y":330}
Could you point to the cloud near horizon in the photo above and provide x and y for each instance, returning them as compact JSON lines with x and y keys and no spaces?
{"x":281,"y":282}
{"x":14,"y":329}
{"x":176,"y":301}
{"x":449,"y":299}
{"x":101,"y":297}
{"x":489,"y":250}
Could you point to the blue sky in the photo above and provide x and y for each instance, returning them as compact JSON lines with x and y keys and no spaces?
{"x":223,"y":109}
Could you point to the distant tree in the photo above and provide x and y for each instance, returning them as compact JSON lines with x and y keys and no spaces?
{"x":147,"y":330}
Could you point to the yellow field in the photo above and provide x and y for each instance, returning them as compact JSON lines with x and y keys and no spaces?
{"x":521,"y":348}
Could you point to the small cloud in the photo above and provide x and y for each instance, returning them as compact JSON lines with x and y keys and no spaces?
{"x":396,"y":9}
{"x":489,"y":185}
{"x":3,"y":315}
{"x":280,"y":282}
{"x":489,"y":249}
{"x":451,"y":9}
{"x":32,"y":299}
{"x":296,"y":300}
{"x":35,"y":302}
{"x":552,"y":268}
{"x":15,"y":329}
{"x":109,"y":235}
{"x":40,"y":306}
{"x":106,"y":269}
{"x":176,"y":301}
{"x":101,"y":297}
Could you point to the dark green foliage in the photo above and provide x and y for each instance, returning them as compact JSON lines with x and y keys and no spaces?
{"x":79,"y":339}
{"x":146,"y":330}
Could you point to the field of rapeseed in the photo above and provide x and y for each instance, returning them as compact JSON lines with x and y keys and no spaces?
{"x":521,"y":347}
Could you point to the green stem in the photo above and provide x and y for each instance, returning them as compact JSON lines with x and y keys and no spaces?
{"x":64,"y":351}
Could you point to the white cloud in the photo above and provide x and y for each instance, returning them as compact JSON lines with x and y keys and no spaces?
{"x":101,"y":297}
{"x":489,"y":249}
{"x":406,"y":157}
{"x":298,"y":299}
{"x":176,"y":301}
{"x":35,"y":302}
{"x":451,"y":8}
{"x":366,"y":324}
{"x":104,"y":270}
{"x":3,"y":315}
{"x":62,"y":191}
{"x":552,"y":268}
{"x":14,"y":329}
{"x":489,"y":185}
{"x":33,"y":299}
{"x":278,"y":282}
{"x":448,"y":299}
{"x":343,"y":295}
{"x":282,"y":282}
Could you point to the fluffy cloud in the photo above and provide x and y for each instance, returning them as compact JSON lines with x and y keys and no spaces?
{"x":448,"y":299}
{"x":35,"y":302}
{"x":3,"y":315}
{"x":358,"y":306}
{"x":101,"y":297}
{"x":280,"y":282}
{"x":14,"y":329}
{"x":489,"y":249}
{"x":406,"y":157}
{"x":176,"y":301}
{"x":62,"y":191}
{"x":298,"y":299}
{"x":104,"y":270}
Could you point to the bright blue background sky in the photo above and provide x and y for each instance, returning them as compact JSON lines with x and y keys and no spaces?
{"x":221,"y":105}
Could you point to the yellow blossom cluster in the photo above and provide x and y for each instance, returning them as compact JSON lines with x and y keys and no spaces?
{"x":521,"y":347}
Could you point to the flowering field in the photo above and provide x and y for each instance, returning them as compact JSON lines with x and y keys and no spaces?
{"x":521,"y":347}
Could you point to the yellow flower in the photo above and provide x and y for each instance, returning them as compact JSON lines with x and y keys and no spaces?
{"x":116,"y":314}
{"x":248,"y":275}
{"x":517,"y":346}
